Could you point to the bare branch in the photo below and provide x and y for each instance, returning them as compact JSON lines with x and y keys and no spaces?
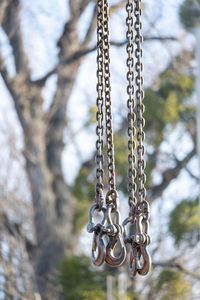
{"x":3,"y":6}
{"x":77,"y":7}
{"x":92,"y":26}
{"x":191,"y":174}
{"x":11,"y":86}
{"x":11,"y":26}
{"x":168,"y":175}
{"x":4,"y":73}
{"x":115,"y":7}
{"x":83,"y":52}
{"x":176,"y":265}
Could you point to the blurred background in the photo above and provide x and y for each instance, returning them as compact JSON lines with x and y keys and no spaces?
{"x":47,"y":148}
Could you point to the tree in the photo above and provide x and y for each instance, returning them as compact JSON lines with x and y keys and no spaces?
{"x":57,"y":219}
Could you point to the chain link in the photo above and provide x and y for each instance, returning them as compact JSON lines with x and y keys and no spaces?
{"x":139,"y":94}
{"x":108,"y":103}
{"x":140,"y":260}
{"x":139,"y":208}
{"x":131,"y":103}
{"x":100,"y":102}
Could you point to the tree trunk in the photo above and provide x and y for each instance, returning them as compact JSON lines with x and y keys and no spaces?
{"x":53,"y":230}
{"x":43,"y":145}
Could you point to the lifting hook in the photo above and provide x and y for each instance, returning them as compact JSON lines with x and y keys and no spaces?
{"x":140,"y":260}
{"x":114,"y":232}
{"x":110,"y":258}
{"x":99,"y":247}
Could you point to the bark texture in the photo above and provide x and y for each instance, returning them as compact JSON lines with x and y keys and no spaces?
{"x":43,"y":143}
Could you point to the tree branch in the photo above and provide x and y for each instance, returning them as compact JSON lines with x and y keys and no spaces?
{"x":176,"y":265}
{"x":11,"y":86}
{"x":168,"y":175}
{"x":3,"y":6}
{"x":78,"y":7}
{"x":191,"y":174}
{"x":83,"y":52}
{"x":11,"y":26}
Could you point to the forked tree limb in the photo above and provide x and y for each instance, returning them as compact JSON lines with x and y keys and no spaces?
{"x":176,"y":265}
{"x":168,"y":175}
{"x":11,"y":25}
{"x":84,"y":51}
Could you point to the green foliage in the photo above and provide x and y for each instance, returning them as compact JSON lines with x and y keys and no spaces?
{"x":121,"y":162}
{"x":167,"y":105}
{"x":190,"y":13}
{"x":91,"y":116}
{"x":184,"y":222}
{"x":80,"y":281}
{"x":90,"y":295}
{"x":172,"y":285}
{"x":121,"y":154}
{"x":131,"y":296}
{"x":83,"y":190}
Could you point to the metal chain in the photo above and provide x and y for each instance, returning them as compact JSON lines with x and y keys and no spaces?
{"x":100,"y":103}
{"x":140,"y":260}
{"x":108,"y":111}
{"x":139,"y":94}
{"x":131,"y":103}
{"x":142,"y":210}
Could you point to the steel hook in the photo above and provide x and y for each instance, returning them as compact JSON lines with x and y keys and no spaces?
{"x":140,"y":260}
{"x":143,"y":267}
{"x":133,"y":264}
{"x":98,"y":249}
{"x":114,"y":232}
{"x":110,"y":258}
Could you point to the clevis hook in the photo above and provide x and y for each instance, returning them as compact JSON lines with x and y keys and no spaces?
{"x":140,"y":260}
{"x":115,"y":236}
{"x":110,"y":258}
{"x":145,"y":266}
{"x":98,"y":250}
{"x":98,"y":247}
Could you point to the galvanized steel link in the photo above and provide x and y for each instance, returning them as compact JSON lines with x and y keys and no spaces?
{"x":131,"y":103}
{"x":108,"y":103}
{"x":100,"y":103}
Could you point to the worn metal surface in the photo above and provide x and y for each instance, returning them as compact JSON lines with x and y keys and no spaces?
{"x":139,"y":211}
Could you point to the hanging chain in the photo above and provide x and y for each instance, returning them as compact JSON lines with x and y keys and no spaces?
{"x":140,"y":106}
{"x":131,"y":103}
{"x":108,"y":110}
{"x":110,"y":225}
{"x":139,"y":207}
{"x":142,"y":209}
{"x":99,"y":103}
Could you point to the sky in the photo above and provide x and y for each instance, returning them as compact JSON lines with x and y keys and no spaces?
{"x":42,"y":24}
